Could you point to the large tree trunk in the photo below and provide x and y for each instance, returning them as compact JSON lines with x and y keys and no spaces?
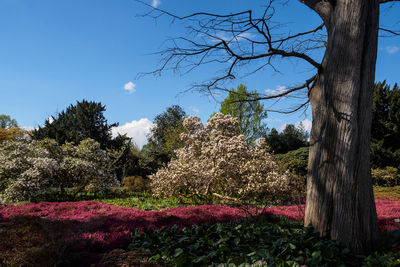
{"x":340,"y":202}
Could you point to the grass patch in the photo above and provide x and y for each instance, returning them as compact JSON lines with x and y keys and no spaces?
{"x":144,"y":202}
{"x":381,"y":192}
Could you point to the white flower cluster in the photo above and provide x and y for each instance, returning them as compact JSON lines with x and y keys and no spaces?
{"x":87,"y":166}
{"x":25,"y":170}
{"x":217,"y":159}
{"x":30,"y":168}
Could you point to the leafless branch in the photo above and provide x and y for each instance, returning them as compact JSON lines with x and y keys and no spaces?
{"x":232,"y":40}
{"x":290,"y":110}
{"x":393,"y":33}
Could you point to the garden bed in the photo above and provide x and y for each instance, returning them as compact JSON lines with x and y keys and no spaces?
{"x":80,"y":232}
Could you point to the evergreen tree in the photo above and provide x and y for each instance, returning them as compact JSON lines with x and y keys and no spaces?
{"x":291,"y":138}
{"x":78,"y":122}
{"x":385,"y":132}
{"x":163,"y":139}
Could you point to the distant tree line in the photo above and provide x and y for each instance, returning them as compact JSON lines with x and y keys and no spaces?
{"x":86,"y":119}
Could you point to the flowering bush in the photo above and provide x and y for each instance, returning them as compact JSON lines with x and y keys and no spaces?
{"x":87,"y":167}
{"x":26,"y":170}
{"x":29,"y":169}
{"x":217,"y":159}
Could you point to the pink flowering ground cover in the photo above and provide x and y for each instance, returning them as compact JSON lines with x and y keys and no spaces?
{"x":87,"y":229}
{"x":388,"y":213}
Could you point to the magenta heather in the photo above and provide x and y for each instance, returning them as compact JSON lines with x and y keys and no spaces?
{"x":102,"y":227}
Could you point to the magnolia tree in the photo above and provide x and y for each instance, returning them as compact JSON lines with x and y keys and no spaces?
{"x":84,"y":167}
{"x":26,"y":170}
{"x":217,"y":159}
{"x":29,"y":169}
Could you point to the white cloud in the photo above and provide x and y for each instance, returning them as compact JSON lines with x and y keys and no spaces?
{"x":194,"y":109}
{"x":306,"y":124}
{"x":130,"y":87}
{"x":50,"y":119}
{"x":28,"y":128}
{"x":155,"y":3}
{"x":391,"y":49}
{"x":137,"y":130}
{"x":282,"y":127}
{"x":279,"y":90}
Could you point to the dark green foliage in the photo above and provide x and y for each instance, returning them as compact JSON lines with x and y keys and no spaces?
{"x":385,"y":133}
{"x":164,"y":122}
{"x":78,"y":122}
{"x":250,"y":113}
{"x":261,"y":239}
{"x":163,"y":140}
{"x":126,"y":161}
{"x":291,"y":138}
{"x":296,"y":160}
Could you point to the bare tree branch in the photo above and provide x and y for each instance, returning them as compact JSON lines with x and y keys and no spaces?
{"x":396,"y":33}
{"x":289,"y":111}
{"x":233,"y":39}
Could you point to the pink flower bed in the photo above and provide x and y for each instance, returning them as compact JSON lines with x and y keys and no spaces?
{"x":388,"y":213}
{"x":103,"y":226}
{"x":100,"y":227}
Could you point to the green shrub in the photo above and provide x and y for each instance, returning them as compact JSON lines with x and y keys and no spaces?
{"x":296,"y":161}
{"x":385,"y":177}
{"x":135,"y":184}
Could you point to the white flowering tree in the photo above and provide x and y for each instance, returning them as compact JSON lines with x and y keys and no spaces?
{"x":216,"y":159}
{"x":29,"y":169}
{"x":26,"y":170}
{"x":87,"y":166}
{"x":84,"y":167}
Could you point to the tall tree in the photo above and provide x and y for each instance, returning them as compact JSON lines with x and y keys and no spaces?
{"x":340,"y":202}
{"x":78,"y":122}
{"x":250,"y":113}
{"x":385,"y":142}
{"x":7,"y":122}
{"x":165,"y":122}
{"x":291,"y":138}
{"x":163,"y":139}
{"x":9,"y":129}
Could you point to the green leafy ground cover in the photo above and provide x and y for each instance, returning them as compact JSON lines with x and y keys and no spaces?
{"x":261,"y":241}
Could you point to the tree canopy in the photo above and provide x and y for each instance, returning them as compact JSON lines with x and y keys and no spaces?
{"x":9,"y":129}
{"x":385,"y":136}
{"x":78,"y":122}
{"x":7,"y":122}
{"x":163,"y":139}
{"x":250,"y":113}
{"x":291,"y":138}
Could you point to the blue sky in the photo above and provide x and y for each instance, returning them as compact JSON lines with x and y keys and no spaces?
{"x":53,"y":53}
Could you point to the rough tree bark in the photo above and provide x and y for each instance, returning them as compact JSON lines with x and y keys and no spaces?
{"x":340,"y":202}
